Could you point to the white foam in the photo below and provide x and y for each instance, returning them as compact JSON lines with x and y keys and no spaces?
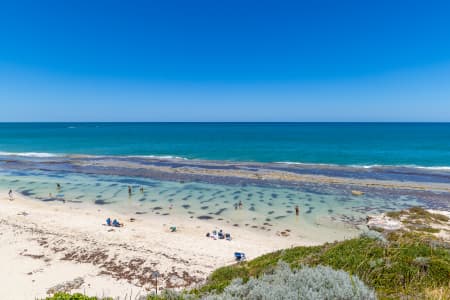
{"x":290,"y":163}
{"x":442,"y":168}
{"x":159,"y":157}
{"x":172,"y":157}
{"x":369,"y":166}
{"x":306,"y":164}
{"x":29,"y":154}
{"x":299,"y":163}
{"x":44,"y":155}
{"x":435,"y":168}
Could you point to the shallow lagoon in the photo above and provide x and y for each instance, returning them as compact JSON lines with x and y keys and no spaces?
{"x":270,"y":209}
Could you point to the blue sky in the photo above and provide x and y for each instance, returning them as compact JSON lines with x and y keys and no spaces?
{"x":225,"y":60}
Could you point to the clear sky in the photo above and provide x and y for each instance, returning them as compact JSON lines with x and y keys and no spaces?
{"x":225,"y":60}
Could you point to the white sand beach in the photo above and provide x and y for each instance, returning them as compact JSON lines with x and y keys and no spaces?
{"x":49,"y":247}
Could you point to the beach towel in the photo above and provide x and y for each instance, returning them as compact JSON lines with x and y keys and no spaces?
{"x":240,"y":256}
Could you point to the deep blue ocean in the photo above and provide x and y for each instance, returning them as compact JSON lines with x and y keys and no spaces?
{"x":418,"y":144}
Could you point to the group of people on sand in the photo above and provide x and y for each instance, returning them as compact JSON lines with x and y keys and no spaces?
{"x":113,"y":223}
{"x":219,"y":235}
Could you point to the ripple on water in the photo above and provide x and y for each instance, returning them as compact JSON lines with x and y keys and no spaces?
{"x":101,"y":202}
{"x":28,"y":192}
{"x":220,"y":211}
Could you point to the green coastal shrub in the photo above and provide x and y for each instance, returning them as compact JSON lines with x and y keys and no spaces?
{"x":65,"y":296}
{"x":305,"y":283}
{"x":407,"y":266}
{"x":171,"y":295}
{"x":375,"y":235}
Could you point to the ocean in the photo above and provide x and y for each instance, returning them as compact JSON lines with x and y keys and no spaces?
{"x":359,"y":144}
{"x":204,"y":170}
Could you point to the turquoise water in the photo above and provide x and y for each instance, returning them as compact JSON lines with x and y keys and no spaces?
{"x":421,"y":144}
{"x":30,"y":164}
{"x":264,"y":209}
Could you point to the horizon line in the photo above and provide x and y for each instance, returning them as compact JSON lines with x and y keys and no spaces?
{"x":225,"y":122}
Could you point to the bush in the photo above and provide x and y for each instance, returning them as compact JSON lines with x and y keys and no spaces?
{"x":375,"y":235}
{"x":65,"y":296}
{"x":305,"y":283}
{"x":170,"y":295}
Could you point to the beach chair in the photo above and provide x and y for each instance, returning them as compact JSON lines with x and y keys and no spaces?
{"x":108,"y":222}
{"x":240,"y":256}
{"x":173,"y":228}
{"x":228,"y":236}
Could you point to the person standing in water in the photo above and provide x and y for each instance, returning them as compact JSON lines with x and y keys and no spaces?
{"x":58,"y":186}
{"x":129,"y":190}
{"x":297,"y":210}
{"x":10,"y":193}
